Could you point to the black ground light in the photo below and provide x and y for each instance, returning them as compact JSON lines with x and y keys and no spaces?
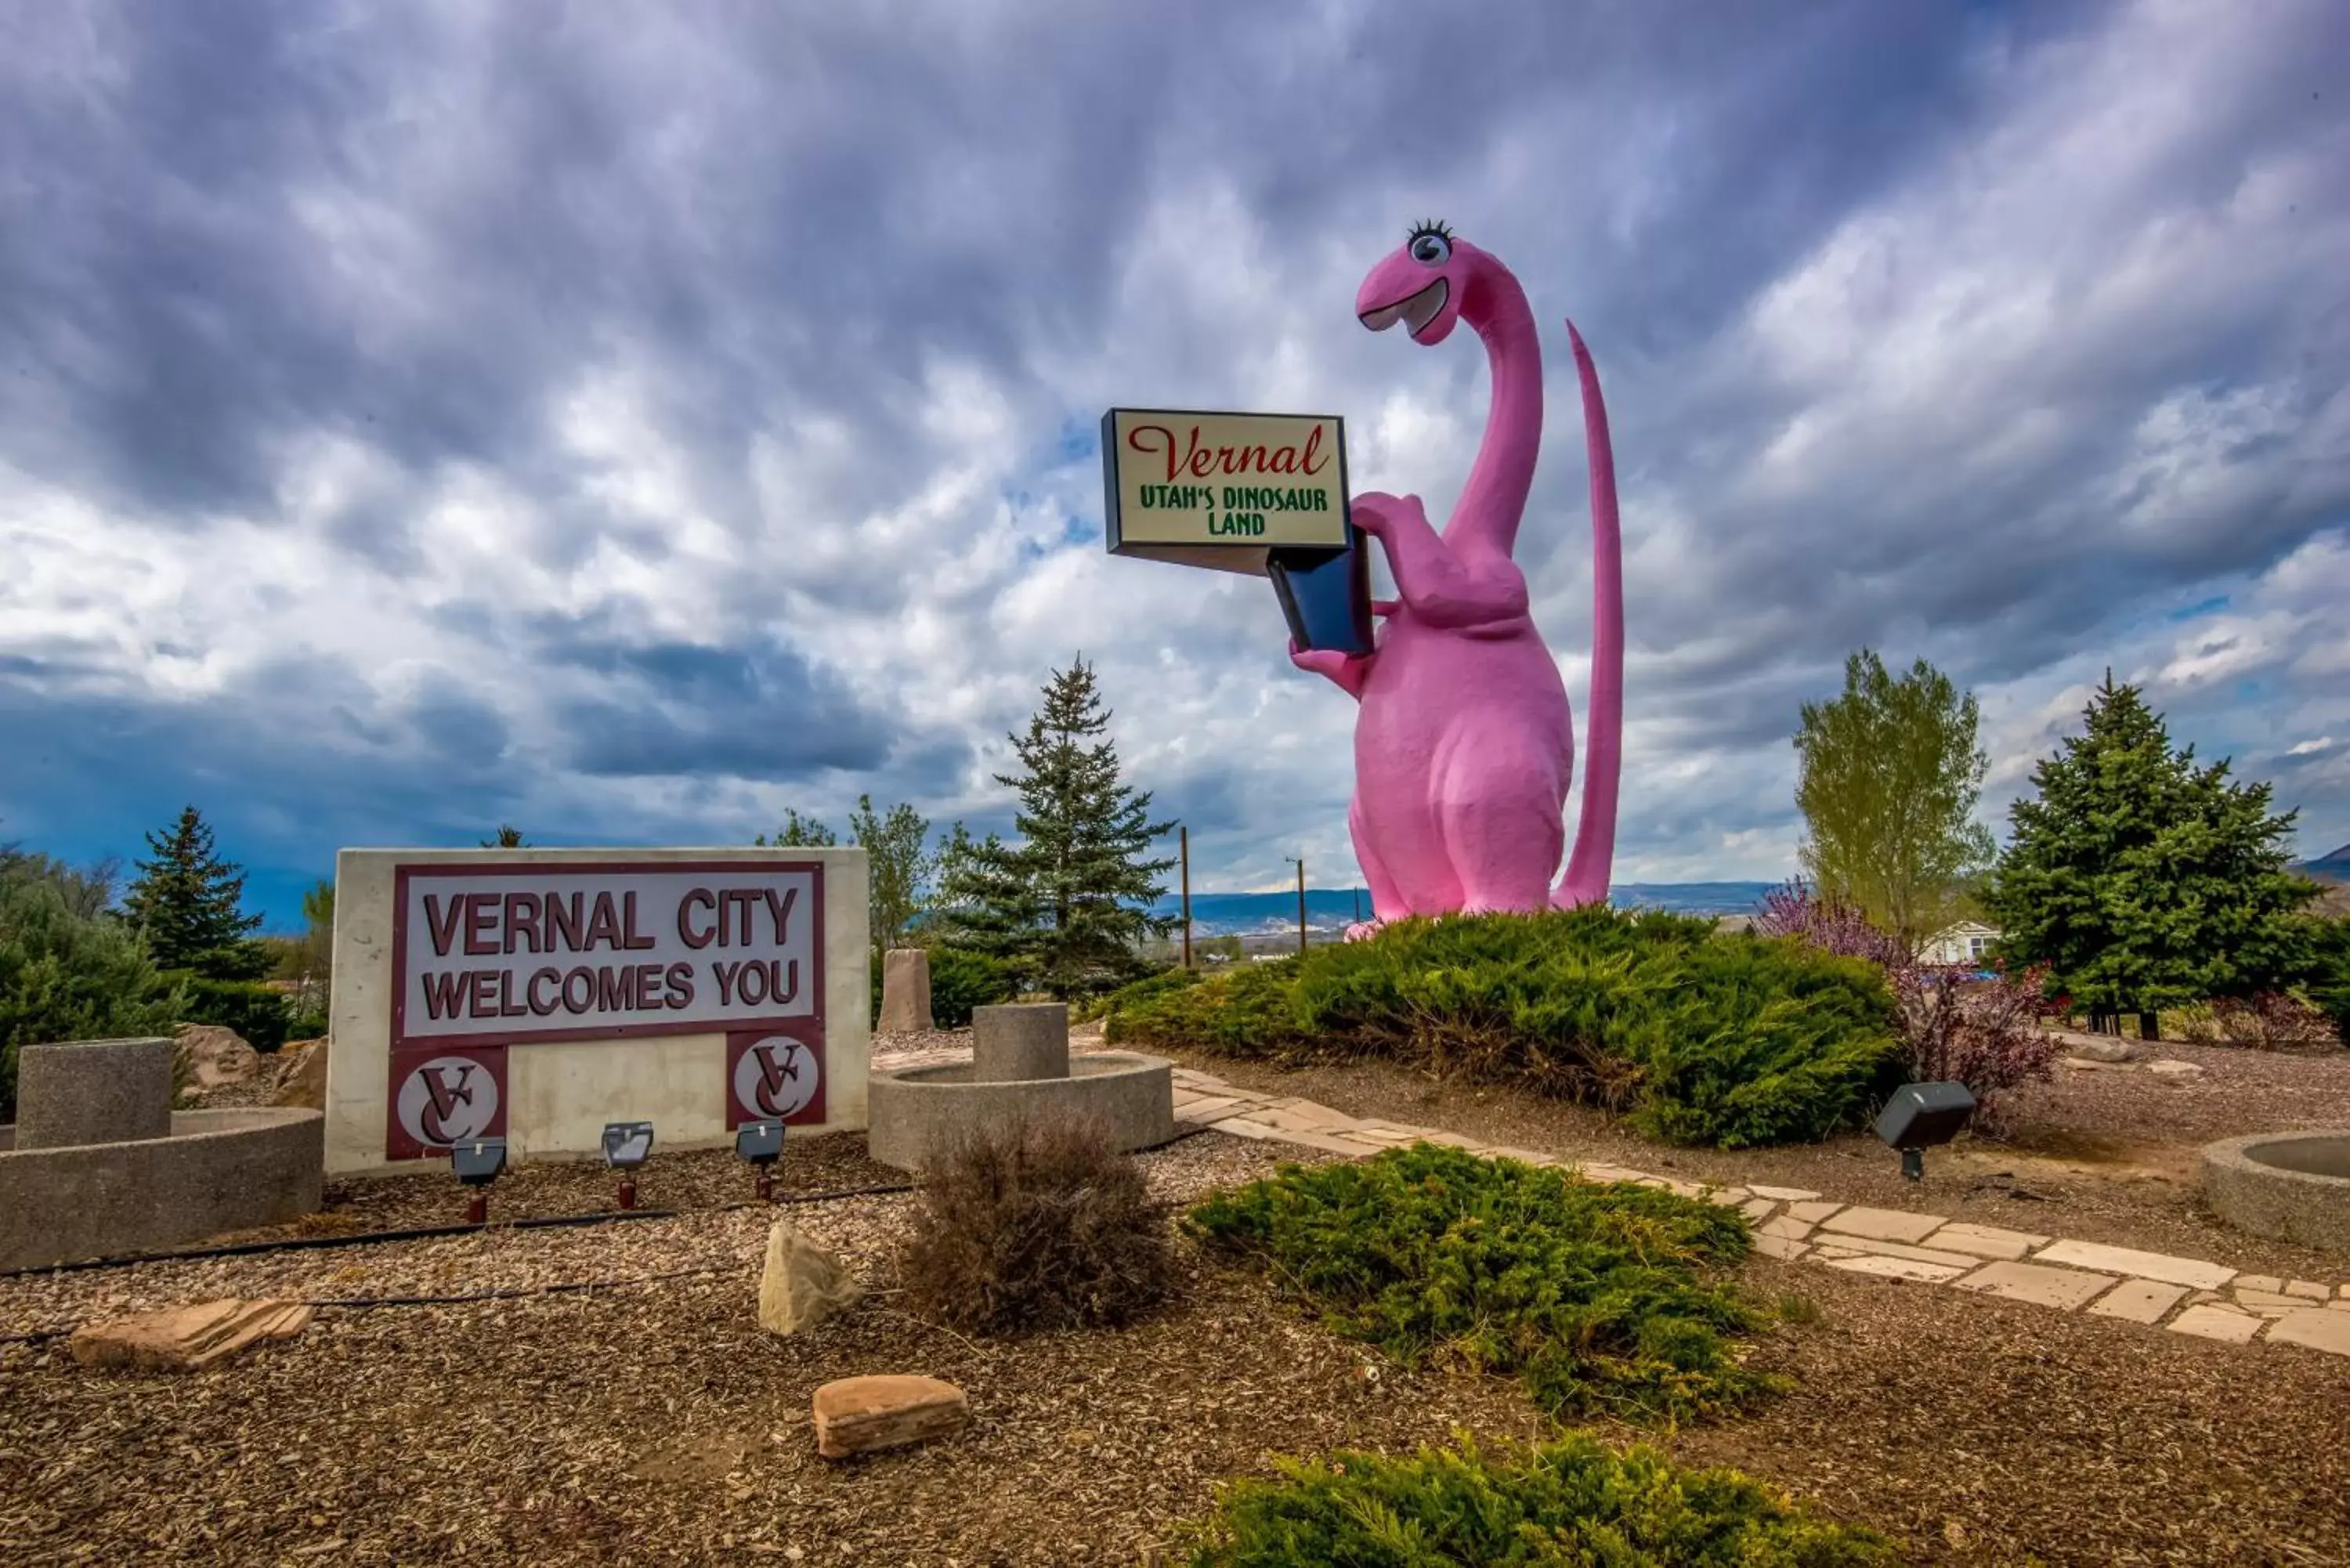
{"x":761,"y":1144}
{"x":627,"y":1144}
{"x":477,"y":1162}
{"x":1920,"y":1116}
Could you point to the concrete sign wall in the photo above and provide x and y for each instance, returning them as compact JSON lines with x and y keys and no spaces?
{"x":537,"y":994}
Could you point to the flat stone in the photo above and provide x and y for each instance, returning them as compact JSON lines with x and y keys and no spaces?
{"x":1897,"y":1268}
{"x":802,"y":1285}
{"x":2265,"y":1301}
{"x":1522,"y":1156}
{"x":2259,"y":1283}
{"x":1812,"y":1213}
{"x":1898,"y":1249}
{"x":2138,"y":1300}
{"x":1727,"y":1197}
{"x":2338,"y":1304}
{"x":2174,"y":1069}
{"x":1786,"y":1227}
{"x":860,"y":1415}
{"x":1784,"y":1194}
{"x":1884,"y":1224}
{"x":1986,"y":1241}
{"x":2060,"y":1288}
{"x":1758,"y":1210}
{"x":2193,"y":1272}
{"x":1595,"y":1172}
{"x":2325,"y":1331}
{"x":185,"y":1338}
{"x":1789,"y":1248}
{"x":1328,"y":1143}
{"x":2309,"y":1290}
{"x":1243,"y":1126}
{"x":2216,"y":1323}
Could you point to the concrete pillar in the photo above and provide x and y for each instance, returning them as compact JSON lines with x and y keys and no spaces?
{"x":905,"y":993}
{"x":1019,"y":1040}
{"x":93,"y":1091}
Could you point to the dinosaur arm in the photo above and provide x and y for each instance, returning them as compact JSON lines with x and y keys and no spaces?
{"x":1348,"y":672}
{"x":1438,"y":586}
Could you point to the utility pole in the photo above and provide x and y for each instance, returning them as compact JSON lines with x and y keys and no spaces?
{"x":1183,"y":848}
{"x":1301,"y":905}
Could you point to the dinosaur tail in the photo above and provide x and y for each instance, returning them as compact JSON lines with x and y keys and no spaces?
{"x":1593,"y":860}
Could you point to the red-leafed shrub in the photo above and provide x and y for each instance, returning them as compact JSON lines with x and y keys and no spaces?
{"x":1990,"y":1034}
{"x":2267,"y":1020}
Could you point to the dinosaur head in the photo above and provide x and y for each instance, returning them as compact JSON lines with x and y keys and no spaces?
{"x":1424,"y":284}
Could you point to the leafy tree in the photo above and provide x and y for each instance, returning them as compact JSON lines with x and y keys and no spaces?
{"x":799,"y":833}
{"x":508,"y":837}
{"x":309,"y":959}
{"x":66,"y":973}
{"x":898,"y":864}
{"x":187,"y":902}
{"x":1069,"y":901}
{"x":2144,"y":882}
{"x":1888,"y":776}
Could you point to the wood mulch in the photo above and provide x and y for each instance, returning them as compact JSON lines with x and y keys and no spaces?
{"x":2102,"y":1154}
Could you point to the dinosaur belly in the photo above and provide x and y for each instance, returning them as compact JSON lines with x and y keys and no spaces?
{"x":1463,"y":753}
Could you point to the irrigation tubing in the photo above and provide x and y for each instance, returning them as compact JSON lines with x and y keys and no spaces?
{"x":428,"y":1232}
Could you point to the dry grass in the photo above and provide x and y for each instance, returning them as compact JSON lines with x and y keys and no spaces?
{"x":1039,"y":1225}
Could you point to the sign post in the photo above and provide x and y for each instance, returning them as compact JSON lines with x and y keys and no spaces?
{"x":1259,"y":494}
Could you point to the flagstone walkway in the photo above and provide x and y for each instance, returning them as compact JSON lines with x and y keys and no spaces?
{"x":2184,"y":1295}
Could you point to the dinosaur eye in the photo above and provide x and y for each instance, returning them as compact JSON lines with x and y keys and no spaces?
{"x":1432,"y":249}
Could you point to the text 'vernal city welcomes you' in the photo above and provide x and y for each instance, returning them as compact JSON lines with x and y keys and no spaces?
{"x":556,"y":951}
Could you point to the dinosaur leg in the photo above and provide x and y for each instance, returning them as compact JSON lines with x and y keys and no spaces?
{"x":1499,"y":818}
{"x":1386,"y":903}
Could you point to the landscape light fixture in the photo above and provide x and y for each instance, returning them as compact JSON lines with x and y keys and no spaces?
{"x":477,"y":1162}
{"x":1920,"y":1116}
{"x":762,"y":1144}
{"x":627,"y":1144}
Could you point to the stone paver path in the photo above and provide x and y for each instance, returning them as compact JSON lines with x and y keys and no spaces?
{"x":2185,"y":1295}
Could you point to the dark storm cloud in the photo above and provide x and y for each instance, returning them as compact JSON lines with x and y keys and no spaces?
{"x":724,"y":308}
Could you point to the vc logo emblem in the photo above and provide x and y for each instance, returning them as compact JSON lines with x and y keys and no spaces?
{"x":447,"y":1100}
{"x":775,"y":1077}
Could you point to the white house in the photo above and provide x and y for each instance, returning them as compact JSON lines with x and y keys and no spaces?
{"x":1968,"y":942}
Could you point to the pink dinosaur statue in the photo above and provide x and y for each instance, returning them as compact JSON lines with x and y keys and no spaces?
{"x":1464,"y":747}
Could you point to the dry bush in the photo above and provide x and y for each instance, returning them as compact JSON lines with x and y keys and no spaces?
{"x":1038,"y":1225}
{"x":2270,"y":1021}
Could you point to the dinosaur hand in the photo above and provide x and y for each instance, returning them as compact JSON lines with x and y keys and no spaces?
{"x":1386,"y":606}
{"x":1345,"y":671}
{"x":1375,"y":511}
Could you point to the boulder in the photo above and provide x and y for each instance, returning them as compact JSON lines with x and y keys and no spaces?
{"x":2100,"y":1047}
{"x":2184,"y":1072}
{"x":212,"y":1058}
{"x":301,"y":1075}
{"x":859,"y":1414}
{"x":185,"y":1338}
{"x":905,"y":993}
{"x":803,"y":1283}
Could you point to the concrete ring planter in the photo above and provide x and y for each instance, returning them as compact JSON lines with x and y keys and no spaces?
{"x":922,"y":1110}
{"x":2292,"y":1185}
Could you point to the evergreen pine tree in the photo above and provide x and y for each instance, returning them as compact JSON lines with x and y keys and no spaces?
{"x":187,"y":903}
{"x":508,"y":836}
{"x":1068,"y":902}
{"x":2143,"y":880}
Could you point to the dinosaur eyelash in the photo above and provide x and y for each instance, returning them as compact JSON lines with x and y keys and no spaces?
{"x":1429,"y":226}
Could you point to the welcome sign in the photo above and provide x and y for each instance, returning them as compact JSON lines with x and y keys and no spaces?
{"x":539,"y":995}
{"x":1223,"y":489}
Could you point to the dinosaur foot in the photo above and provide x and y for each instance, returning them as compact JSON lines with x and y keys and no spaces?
{"x":1362,"y":930}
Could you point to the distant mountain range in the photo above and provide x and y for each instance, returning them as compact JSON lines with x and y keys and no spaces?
{"x":2334,"y":867}
{"x":1333,"y":908}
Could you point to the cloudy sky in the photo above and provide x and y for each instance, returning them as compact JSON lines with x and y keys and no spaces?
{"x":629,"y":421}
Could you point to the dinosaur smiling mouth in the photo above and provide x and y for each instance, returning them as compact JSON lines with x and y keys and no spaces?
{"x":1417,"y":311}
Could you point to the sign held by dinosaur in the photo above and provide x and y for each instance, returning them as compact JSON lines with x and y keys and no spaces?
{"x":1261,"y":494}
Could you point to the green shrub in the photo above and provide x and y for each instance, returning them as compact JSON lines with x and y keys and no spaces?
{"x":1036,"y":1225}
{"x":1597,"y":1295}
{"x":962,"y":979}
{"x":1134,"y":992}
{"x":68,"y":975}
{"x":1574,"y":1503}
{"x":258,"y":1013}
{"x":1699,"y":1037}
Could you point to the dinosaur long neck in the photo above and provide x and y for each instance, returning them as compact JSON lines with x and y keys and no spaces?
{"x":1495,"y":496}
{"x":1593,"y":861}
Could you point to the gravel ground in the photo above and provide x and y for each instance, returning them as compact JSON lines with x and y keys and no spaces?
{"x":656,"y":1423}
{"x":2105,"y":1154}
{"x":1981,"y":1431}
